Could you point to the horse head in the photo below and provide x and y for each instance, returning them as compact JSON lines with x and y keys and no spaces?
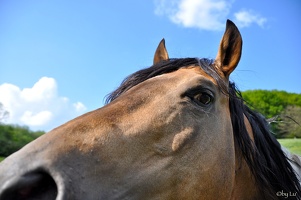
{"x":165,"y":133}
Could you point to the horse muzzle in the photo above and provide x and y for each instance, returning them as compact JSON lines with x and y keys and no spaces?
{"x":37,"y":184}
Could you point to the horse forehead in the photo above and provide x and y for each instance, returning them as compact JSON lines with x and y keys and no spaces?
{"x":188,"y":73}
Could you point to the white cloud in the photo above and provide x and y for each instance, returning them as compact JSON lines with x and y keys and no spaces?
{"x":45,"y":88}
{"x":38,"y":107}
{"x":79,"y":107}
{"x":203,"y":14}
{"x":246,"y":18}
{"x":163,"y":7}
{"x":38,"y":119}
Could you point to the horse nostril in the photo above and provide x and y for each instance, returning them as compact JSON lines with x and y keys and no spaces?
{"x":34,"y":185}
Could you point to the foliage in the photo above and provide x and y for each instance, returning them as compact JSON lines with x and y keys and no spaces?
{"x":271,"y":103}
{"x":283,"y":106}
{"x":13,"y":138}
{"x":289,"y":124}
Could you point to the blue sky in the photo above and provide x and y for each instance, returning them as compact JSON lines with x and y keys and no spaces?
{"x":58,"y":59}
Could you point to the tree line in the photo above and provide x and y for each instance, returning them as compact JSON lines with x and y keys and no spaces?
{"x":281,"y":108}
{"x":14,"y":137}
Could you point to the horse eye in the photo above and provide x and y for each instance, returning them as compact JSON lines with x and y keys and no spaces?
{"x":203,"y":98}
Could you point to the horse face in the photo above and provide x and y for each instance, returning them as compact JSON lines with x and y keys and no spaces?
{"x":169,"y":137}
{"x":160,"y":139}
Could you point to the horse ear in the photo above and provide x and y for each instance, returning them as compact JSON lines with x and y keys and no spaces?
{"x":230,"y":49}
{"x":161,"y":52}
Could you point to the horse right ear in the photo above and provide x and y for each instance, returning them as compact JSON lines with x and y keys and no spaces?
{"x":161,"y":52}
{"x":230,"y":49}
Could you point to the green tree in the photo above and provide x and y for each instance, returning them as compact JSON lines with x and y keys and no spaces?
{"x":13,"y":138}
{"x":276,"y":103}
{"x":289,"y":123}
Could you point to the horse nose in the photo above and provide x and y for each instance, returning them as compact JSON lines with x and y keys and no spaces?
{"x":33,"y":185}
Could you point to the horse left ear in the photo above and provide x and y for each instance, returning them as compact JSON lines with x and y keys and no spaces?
{"x":230,"y":49}
{"x":161,"y":52}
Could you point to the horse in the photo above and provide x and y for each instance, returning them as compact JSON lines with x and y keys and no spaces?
{"x":178,"y":129}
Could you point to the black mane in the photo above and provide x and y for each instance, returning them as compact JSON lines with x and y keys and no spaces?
{"x":264,"y":156}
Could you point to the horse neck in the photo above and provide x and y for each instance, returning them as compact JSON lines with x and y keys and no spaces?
{"x":244,"y":184}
